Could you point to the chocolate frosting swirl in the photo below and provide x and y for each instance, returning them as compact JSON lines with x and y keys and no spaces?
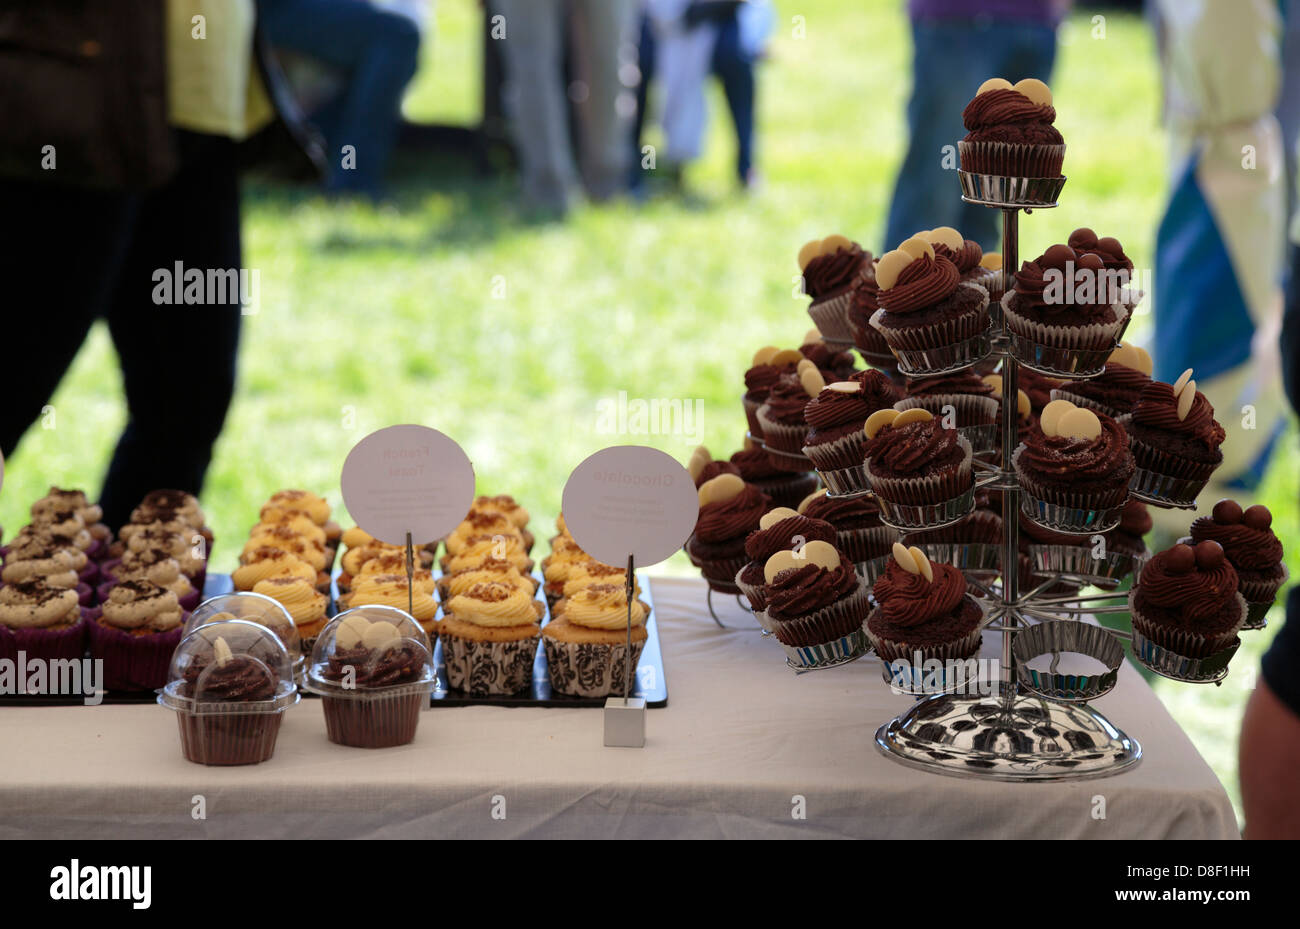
{"x":1248,"y":549}
{"x":715,"y":468}
{"x":786,"y":401}
{"x":1118,"y":387}
{"x":1031,"y":292}
{"x":1201,"y":599}
{"x":1135,"y":518}
{"x":807,"y":589}
{"x":240,"y":680}
{"x":965,"y":258}
{"x":958,"y":382}
{"x":399,"y":664}
{"x":864,"y":302}
{"x":832,"y":408}
{"x":908,"y":599}
{"x":754,"y":464}
{"x":728,"y":519}
{"x":922,"y":283}
{"x":762,"y":544}
{"x":1157,"y":408}
{"x":911,"y":448}
{"x":834,"y":365}
{"x":827,"y":274}
{"x":1069,"y":457}
{"x":995,"y":107}
{"x":761,"y":378}
{"x":845,"y":513}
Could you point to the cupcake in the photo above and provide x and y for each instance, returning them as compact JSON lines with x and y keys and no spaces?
{"x":912,"y":460}
{"x":922,"y":611}
{"x":304,"y":602}
{"x":767,"y":367}
{"x":47,"y":623}
{"x":479,"y":524}
{"x":785,"y":488}
{"x":183,"y":544}
{"x":781,"y":417}
{"x":830,"y":267}
{"x":229,"y":683}
{"x":1010,"y":132}
{"x":586,"y":644}
{"x":729,"y":510}
{"x":1075,"y":469}
{"x":137,"y":629}
{"x":1175,"y":440}
{"x":254,"y":608}
{"x":175,"y":508}
{"x":1085,"y":242}
{"x":859,"y":532}
{"x":395,"y":563}
{"x":779,"y":529}
{"x":924,"y":307}
{"x":1025,"y":418}
{"x":266,"y":562}
{"x":37,"y":554}
{"x":91,"y":515}
{"x":988,"y":274}
{"x":863,"y":303}
{"x":1062,"y":303}
{"x":489,"y":638}
{"x":835,"y":419}
{"x":373,"y":668}
{"x":1186,"y":603}
{"x":1128,"y":537}
{"x":703,"y":467}
{"x":591,"y":573}
{"x":835,"y":364}
{"x":1251,"y":547}
{"x":565,"y":554}
{"x":393,"y":590}
{"x":503,"y":503}
{"x":1117,"y":388}
{"x":948,"y":243}
{"x":159,"y":568}
{"x":479,"y":548}
{"x":816,"y":604}
{"x":971,"y":397}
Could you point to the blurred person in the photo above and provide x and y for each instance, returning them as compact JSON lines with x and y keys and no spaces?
{"x":957,"y":46}
{"x":119,"y":174}
{"x":537,"y":101}
{"x":376,"y":51}
{"x":683,"y":42}
{"x":1220,"y":247}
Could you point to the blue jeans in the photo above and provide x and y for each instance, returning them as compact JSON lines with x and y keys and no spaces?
{"x":378,"y":52}
{"x":951,"y":59}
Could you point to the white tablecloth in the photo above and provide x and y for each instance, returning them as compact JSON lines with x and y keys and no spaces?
{"x":741,"y":738}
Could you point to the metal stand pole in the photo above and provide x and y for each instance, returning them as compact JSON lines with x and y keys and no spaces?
{"x":1010,"y":438}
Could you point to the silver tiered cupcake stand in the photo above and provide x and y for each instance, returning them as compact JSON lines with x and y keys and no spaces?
{"x":1031,"y":723}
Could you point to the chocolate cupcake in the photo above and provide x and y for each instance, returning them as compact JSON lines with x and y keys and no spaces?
{"x":948,"y":243}
{"x":768,"y":366}
{"x":782,"y":416}
{"x":924,"y":306}
{"x":1175,"y":440}
{"x":229,"y":683}
{"x":779,"y":529}
{"x":1251,"y":547}
{"x":1128,"y":537}
{"x":816,"y":603}
{"x":922,"y":611}
{"x":1010,"y":132}
{"x":859,"y":531}
{"x":1117,"y":388}
{"x":830,"y":267}
{"x":373,"y":669}
{"x":729,"y":510}
{"x":913,"y":460}
{"x":1039,"y":388}
{"x":1075,"y":469}
{"x":1186,"y":603}
{"x":703,"y":467}
{"x":1063,"y":303}
{"x":863,"y":303}
{"x":1085,"y":242}
{"x":988,"y":274}
{"x":835,"y":364}
{"x":785,"y":488}
{"x":835,"y":418}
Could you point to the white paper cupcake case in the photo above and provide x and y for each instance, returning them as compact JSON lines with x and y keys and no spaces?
{"x":753,"y":594}
{"x":831,"y":317}
{"x":849,"y":647}
{"x":846,"y":481}
{"x":1063,"y":351}
{"x":1047,"y":638}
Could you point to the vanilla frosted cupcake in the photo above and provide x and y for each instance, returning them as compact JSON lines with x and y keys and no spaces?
{"x":501,"y":503}
{"x":586,"y":643}
{"x":158,"y":568}
{"x":59,"y":500}
{"x":303,"y":601}
{"x":267,"y":562}
{"x":303,"y":501}
{"x":35,"y":554}
{"x":480,"y":524}
{"x":138,"y":627}
{"x":391,"y":590}
{"x":394,"y":563}
{"x":480,"y":548}
{"x":43,"y":621}
{"x":489,"y":638}
{"x":490,"y":570}
{"x":565,"y":554}
{"x":287,"y":540}
{"x":296,"y":521}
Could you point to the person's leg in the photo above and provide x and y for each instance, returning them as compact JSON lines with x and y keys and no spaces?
{"x":646,"y":66}
{"x":378,"y":50}
{"x":66,"y":245}
{"x":178,"y":360}
{"x":735,"y":69}
{"x":605,"y":30}
{"x":536,"y":100}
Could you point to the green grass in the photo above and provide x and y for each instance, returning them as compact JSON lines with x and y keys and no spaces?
{"x":377,"y":316}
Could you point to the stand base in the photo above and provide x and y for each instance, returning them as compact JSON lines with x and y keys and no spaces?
{"x":1021,"y":738}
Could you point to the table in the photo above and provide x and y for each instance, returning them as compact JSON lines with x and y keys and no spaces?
{"x":742,"y":749}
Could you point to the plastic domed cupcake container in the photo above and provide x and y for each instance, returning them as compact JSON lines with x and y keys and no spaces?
{"x":373,"y":668}
{"x":256,"y":608}
{"x":230,"y":682}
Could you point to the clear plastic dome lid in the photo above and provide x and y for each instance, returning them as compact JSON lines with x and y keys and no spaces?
{"x":368,"y":649}
{"x":257,"y":608}
{"x":230,"y":666}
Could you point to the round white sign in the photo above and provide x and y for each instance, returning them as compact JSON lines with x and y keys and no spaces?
{"x":630,"y":500}
{"x":407,"y":479}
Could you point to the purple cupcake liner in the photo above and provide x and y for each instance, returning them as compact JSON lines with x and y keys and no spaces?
{"x":133,"y":662}
{"x":45,"y":644}
{"x":188,"y":602}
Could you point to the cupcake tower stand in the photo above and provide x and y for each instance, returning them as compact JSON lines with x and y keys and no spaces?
{"x":1036,"y":724}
